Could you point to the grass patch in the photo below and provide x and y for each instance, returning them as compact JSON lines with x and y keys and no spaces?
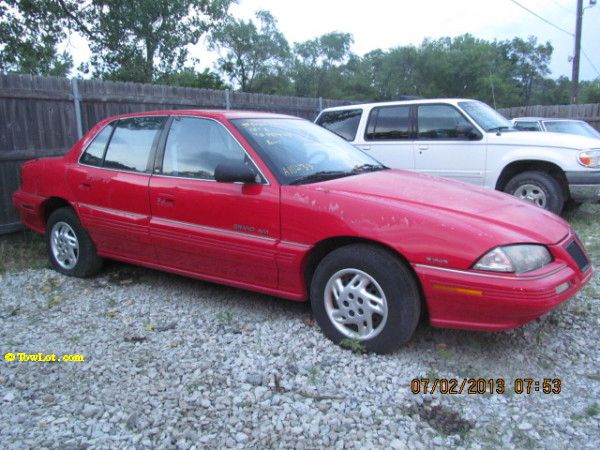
{"x":21,"y":251}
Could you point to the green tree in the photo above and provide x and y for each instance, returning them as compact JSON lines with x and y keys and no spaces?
{"x":188,"y":77}
{"x":29,"y":34}
{"x":590,"y":91}
{"x":530,"y":62}
{"x":319,"y":63}
{"x":137,"y":40}
{"x":254,"y":55}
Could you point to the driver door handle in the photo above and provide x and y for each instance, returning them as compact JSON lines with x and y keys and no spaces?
{"x":364,"y":147}
{"x":423,"y":146}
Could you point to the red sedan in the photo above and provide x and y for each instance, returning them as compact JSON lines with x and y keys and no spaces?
{"x":278,"y":205}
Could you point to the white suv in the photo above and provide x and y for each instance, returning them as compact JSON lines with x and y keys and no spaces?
{"x":469,"y":141}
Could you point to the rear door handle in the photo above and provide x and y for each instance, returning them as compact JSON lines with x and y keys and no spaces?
{"x":423,"y":147}
{"x":364,"y":147}
{"x":85,"y":186}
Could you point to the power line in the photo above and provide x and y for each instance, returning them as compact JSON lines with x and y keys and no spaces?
{"x":563,"y":7}
{"x":541,"y":18}
{"x":590,"y":61}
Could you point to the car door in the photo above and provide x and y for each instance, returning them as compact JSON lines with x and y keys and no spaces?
{"x":388,"y":136}
{"x":110,"y":183}
{"x":448,"y":145}
{"x":220,"y":231}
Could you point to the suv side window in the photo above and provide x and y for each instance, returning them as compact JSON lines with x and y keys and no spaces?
{"x":196,"y":146}
{"x":443,"y":122}
{"x":343,"y":123}
{"x":132,"y":142}
{"x":389,"y":123}
{"x":94,"y":153}
{"x":527,"y":126}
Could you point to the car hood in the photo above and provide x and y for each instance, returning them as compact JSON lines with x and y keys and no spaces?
{"x":544,"y":139}
{"x":497,"y":212}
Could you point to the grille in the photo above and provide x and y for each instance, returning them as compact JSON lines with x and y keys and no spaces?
{"x":578,"y":255}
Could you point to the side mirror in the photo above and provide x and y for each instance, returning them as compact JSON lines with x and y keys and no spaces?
{"x":231,"y":172}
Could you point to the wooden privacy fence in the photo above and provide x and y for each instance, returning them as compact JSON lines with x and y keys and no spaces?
{"x":589,"y":112}
{"x":44,"y":116}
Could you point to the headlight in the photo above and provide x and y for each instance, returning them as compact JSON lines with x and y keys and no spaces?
{"x":514,"y":258}
{"x":589,"y":158}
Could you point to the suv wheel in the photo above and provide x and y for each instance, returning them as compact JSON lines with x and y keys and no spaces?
{"x":539,"y":188}
{"x":366,"y":294}
{"x":70,"y":248}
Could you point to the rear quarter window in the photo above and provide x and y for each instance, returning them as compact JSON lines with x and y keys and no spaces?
{"x":94,"y":153}
{"x":343,"y":123}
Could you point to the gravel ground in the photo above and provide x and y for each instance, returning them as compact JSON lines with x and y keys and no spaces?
{"x":176,"y":363}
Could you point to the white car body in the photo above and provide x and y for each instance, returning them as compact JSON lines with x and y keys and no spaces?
{"x":485,"y":158}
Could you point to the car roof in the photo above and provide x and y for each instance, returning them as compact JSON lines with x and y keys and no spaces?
{"x":211,"y":113}
{"x":414,"y":101}
{"x":545,"y":119}
{"x":419,"y":101}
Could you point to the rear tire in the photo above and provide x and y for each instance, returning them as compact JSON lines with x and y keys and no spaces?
{"x":70,"y":248}
{"x":367,"y":294}
{"x":540,"y":188}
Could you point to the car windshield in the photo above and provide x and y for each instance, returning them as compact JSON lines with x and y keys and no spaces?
{"x":486,"y":117}
{"x":299,"y":152}
{"x":572,"y":127}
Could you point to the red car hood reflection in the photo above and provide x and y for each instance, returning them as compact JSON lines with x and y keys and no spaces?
{"x":424,"y":191}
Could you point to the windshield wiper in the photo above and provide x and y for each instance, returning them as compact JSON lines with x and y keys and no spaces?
{"x":321,"y":176}
{"x":367,"y":168}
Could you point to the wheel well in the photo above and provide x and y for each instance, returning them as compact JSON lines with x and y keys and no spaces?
{"x":52,"y":204}
{"x":323,"y":248}
{"x":517,"y":167}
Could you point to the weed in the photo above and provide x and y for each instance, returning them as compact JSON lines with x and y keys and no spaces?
{"x":313,"y":373}
{"x":150,"y":327}
{"x":54,"y":300}
{"x":225,"y":317}
{"x":112,"y":314}
{"x":593,"y":410}
{"x":354,"y":345}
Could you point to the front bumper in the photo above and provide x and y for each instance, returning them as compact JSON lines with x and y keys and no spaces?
{"x":473,"y":300}
{"x":584,"y":186}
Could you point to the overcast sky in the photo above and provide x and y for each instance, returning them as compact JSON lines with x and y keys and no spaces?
{"x":389,"y":23}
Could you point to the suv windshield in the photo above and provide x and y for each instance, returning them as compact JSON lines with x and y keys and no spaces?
{"x":298,"y":151}
{"x":572,"y":127}
{"x":486,"y":117}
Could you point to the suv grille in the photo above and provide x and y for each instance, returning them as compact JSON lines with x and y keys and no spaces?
{"x":578,"y":255}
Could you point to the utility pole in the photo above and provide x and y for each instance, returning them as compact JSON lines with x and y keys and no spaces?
{"x":575,"y":74}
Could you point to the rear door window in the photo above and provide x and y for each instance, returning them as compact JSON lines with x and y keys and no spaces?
{"x":441,"y":122}
{"x":389,"y":123}
{"x":343,"y":123}
{"x":132,"y":142}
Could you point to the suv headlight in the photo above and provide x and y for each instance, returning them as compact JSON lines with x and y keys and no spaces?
{"x":589,"y":158}
{"x":519,"y":258}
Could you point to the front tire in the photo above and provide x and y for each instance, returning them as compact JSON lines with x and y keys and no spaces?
{"x":70,"y":248}
{"x":367,"y":294}
{"x":539,"y":188}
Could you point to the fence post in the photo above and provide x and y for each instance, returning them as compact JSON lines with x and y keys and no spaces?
{"x":77,"y":103}
{"x":227,"y":100}
{"x":320,"y":104}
